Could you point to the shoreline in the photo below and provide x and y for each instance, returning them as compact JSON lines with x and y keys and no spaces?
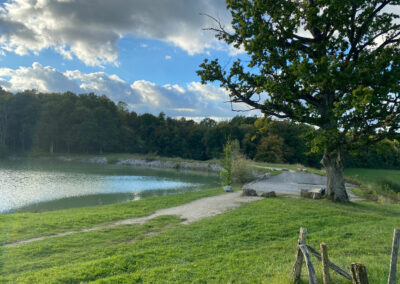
{"x":136,"y":162}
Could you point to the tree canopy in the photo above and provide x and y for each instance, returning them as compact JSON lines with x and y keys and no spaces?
{"x":86,"y":123}
{"x":331,"y":64}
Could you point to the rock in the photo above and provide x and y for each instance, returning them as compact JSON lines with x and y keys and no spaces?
{"x":249,"y":192}
{"x":227,"y":188}
{"x":263,"y":177}
{"x":285,"y":169}
{"x":310,"y":194}
{"x":64,"y":159}
{"x":215,"y":167}
{"x":170,"y":164}
{"x":97,"y":160}
{"x":316,"y":195}
{"x":305,"y":193}
{"x":319,"y":190}
{"x":268,"y":194}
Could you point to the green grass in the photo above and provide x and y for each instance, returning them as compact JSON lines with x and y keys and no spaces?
{"x":19,"y":226}
{"x":253,"y":244}
{"x":373,"y":175}
{"x":376,"y":184}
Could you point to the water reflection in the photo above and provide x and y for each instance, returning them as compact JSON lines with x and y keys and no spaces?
{"x":49,"y":185}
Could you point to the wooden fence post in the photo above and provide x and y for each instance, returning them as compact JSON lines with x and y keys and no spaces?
{"x":332,"y":266}
{"x":325,"y":264}
{"x":359,"y":273}
{"x":393,"y":259}
{"x":311,"y":271}
{"x":299,"y":257}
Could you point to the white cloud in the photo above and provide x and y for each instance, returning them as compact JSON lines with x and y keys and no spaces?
{"x":90,"y":30}
{"x":168,"y":57}
{"x":46,"y":79}
{"x":190,"y":100}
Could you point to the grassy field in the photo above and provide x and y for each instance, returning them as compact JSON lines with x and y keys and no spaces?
{"x":253,"y":244}
{"x":19,"y":226}
{"x":376,"y":184}
{"x":373,"y":175}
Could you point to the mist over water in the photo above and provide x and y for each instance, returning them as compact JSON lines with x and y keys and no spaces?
{"x":50,"y":185}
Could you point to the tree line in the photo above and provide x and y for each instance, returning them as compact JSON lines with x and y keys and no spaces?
{"x":87,"y":123}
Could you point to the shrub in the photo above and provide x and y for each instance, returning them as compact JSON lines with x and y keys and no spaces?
{"x":389,"y":185}
{"x":226,"y":172}
{"x":235,"y":165}
{"x":151,"y":156}
{"x":241,"y":172}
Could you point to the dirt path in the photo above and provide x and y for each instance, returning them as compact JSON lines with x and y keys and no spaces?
{"x":191,"y":212}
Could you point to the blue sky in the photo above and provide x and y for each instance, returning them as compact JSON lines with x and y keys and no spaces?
{"x":145,"y":53}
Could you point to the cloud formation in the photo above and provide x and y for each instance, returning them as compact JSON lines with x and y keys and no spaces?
{"x":191,"y":100}
{"x":90,"y":30}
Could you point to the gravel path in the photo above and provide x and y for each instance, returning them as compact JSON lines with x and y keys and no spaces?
{"x":292,"y":182}
{"x":191,"y":212}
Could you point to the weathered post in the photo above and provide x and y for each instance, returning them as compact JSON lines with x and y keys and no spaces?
{"x":359,"y":273}
{"x":393,"y":259}
{"x":325,"y":264}
{"x":299,"y":257}
{"x":310,"y":268}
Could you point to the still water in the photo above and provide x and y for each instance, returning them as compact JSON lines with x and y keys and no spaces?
{"x":34,"y":186}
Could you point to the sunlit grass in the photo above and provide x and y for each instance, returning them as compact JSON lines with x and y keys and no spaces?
{"x":19,"y":226}
{"x":253,"y":244}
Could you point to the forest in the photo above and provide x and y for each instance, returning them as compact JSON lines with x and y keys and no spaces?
{"x":31,"y":121}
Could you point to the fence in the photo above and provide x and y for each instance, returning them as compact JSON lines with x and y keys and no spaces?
{"x":358,"y":271}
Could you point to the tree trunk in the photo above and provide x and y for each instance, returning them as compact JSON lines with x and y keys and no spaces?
{"x":335,"y":187}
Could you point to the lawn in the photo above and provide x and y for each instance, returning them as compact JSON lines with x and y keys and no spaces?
{"x":253,"y":244}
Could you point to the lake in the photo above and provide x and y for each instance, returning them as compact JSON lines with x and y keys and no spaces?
{"x":35,"y":186}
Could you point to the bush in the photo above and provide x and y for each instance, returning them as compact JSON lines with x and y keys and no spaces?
{"x":241,"y":172}
{"x":236,"y":167}
{"x":226,"y":172}
{"x":389,"y":185}
{"x":151,"y":157}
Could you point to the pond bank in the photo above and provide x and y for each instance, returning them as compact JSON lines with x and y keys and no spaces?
{"x":147,"y":163}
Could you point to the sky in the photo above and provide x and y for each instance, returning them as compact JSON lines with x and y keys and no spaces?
{"x":144,"y":53}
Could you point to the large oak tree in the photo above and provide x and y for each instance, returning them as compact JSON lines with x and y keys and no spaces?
{"x":331,"y":64}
